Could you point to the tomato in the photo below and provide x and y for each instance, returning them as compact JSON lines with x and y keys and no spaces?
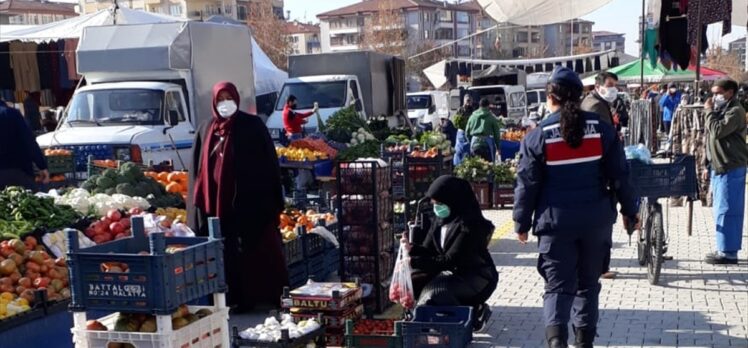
{"x":116,"y":228}
{"x":114,"y":215}
{"x":99,"y":228}
{"x":30,"y":240}
{"x":101,"y":238}
{"x":120,"y":236}
{"x":125,"y":223}
{"x":41,"y":282}
{"x":15,"y":276}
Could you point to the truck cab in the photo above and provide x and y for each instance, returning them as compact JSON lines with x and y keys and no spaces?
{"x":330,"y":92}
{"x":129,"y":121}
{"x":428,"y":107}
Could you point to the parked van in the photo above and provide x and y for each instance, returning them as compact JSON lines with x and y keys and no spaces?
{"x":507,"y":101}
{"x":428,"y":107}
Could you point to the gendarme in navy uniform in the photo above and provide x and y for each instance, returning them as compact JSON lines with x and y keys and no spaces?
{"x":572,"y":173}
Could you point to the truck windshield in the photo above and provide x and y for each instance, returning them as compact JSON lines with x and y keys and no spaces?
{"x":416,"y":102}
{"x":128,"y":106}
{"x":326,"y":94}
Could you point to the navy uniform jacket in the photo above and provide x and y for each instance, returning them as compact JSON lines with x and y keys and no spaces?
{"x":561,"y":188}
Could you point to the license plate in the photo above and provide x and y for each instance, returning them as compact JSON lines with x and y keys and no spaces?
{"x":275,"y":133}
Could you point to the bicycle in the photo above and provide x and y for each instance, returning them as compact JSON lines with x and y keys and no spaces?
{"x":654,"y":181}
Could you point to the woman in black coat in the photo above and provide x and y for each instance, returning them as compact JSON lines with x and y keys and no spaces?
{"x":452,"y":267}
{"x":235,"y":176}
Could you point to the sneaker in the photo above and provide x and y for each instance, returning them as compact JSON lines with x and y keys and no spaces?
{"x":481,"y":317}
{"x":720,"y":258}
{"x":609,"y":275}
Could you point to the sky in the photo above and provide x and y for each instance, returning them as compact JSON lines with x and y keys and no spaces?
{"x":619,"y":16}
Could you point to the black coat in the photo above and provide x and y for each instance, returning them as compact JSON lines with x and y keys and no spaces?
{"x":258,"y":198}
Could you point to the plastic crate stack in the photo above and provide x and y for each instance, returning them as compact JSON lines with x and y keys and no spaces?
{"x":419,"y":174}
{"x":336,"y":303}
{"x":150,"y":278}
{"x":396,"y":161}
{"x":61,"y":168}
{"x":447,"y":327}
{"x":366,"y":236}
{"x":310,"y":256}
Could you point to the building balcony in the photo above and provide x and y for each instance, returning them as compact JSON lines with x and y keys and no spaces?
{"x":343,"y":48}
{"x":345,"y":30}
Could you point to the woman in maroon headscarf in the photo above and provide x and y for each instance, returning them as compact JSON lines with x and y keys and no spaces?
{"x":235,"y":176}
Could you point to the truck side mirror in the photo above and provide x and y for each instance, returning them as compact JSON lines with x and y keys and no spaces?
{"x":359,"y":107}
{"x":173,"y":118}
{"x":432,"y":109}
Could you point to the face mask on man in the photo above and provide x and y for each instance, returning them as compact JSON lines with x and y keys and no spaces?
{"x":608,"y":93}
{"x":441,"y":210}
{"x":673,"y":90}
{"x":226,"y":108}
{"x":719,"y":101}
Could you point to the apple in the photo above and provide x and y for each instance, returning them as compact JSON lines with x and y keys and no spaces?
{"x":125,"y":222}
{"x":100,"y":228}
{"x":90,"y":232}
{"x":105,"y":221}
{"x":116,"y":228}
{"x":114,"y":215}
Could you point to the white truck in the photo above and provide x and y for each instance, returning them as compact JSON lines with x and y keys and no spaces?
{"x":428,"y":107}
{"x":148,"y":87}
{"x":509,"y":102}
{"x":374,"y":83}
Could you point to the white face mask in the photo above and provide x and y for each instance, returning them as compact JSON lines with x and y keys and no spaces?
{"x":719,"y":100}
{"x":673,"y":90}
{"x":226,"y":108}
{"x":608,"y":93}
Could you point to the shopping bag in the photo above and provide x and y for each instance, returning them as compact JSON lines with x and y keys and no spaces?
{"x":401,"y":287}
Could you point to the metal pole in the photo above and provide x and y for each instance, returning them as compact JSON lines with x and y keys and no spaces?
{"x":571,"y":43}
{"x":697,"y":88}
{"x":641,"y":47}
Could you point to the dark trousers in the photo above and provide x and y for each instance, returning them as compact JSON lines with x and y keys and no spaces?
{"x":666,"y":126}
{"x":447,"y":289}
{"x":571,"y":263}
{"x":16,"y":177}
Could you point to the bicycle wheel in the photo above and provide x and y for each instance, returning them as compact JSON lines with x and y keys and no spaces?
{"x":656,"y":243}
{"x":642,"y":234}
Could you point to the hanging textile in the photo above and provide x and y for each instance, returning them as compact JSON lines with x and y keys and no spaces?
{"x":688,"y":137}
{"x":7,"y":80}
{"x":71,"y":45}
{"x":643,"y":125}
{"x":707,"y":12}
{"x":538,"y":67}
{"x":25,"y":67}
{"x":597,"y":63}
{"x":671,"y":38}
{"x":549,"y":66}
{"x":588,"y":65}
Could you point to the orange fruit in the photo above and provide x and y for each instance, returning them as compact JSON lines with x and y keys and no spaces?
{"x":163,"y":177}
{"x":173,"y":177}
{"x":173,"y":187}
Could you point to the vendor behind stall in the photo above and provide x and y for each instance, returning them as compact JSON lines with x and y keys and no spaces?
{"x":235,"y":176}
{"x":293,"y":122}
{"x":18,"y":151}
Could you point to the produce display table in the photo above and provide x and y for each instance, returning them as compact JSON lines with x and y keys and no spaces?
{"x":55,"y":326}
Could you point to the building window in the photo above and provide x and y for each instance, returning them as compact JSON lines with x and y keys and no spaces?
{"x":443,"y":34}
{"x":607,"y":45}
{"x":461,"y":33}
{"x":228,"y":9}
{"x":485,"y":23}
{"x":462,"y":17}
{"x":175,"y":10}
{"x":535,"y":37}
{"x":445,"y":16}
{"x":463,"y":51}
{"x":241,"y":12}
{"x":426,"y":17}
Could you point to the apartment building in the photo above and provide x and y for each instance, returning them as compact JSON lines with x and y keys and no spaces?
{"x":423,"y":21}
{"x":738,"y":47}
{"x":192,"y":9}
{"x":34,"y":12}
{"x":560,"y":38}
{"x":606,"y":40}
{"x":304,"y":37}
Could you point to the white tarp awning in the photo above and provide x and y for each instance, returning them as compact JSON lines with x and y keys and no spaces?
{"x":268,"y":78}
{"x":539,"y":12}
{"x":72,"y":28}
{"x":740,"y":12}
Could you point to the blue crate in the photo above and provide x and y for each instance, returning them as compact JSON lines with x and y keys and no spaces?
{"x":313,"y":244}
{"x":155,"y":283}
{"x":316,"y":267}
{"x":439,"y":327}
{"x":323,"y":168}
{"x":297,"y":275}
{"x":293,"y":251}
{"x":659,"y":180}
{"x":332,"y":260}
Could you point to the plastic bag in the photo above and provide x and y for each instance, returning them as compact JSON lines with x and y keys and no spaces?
{"x":638,"y":152}
{"x":401,"y":288}
{"x":326,"y":234}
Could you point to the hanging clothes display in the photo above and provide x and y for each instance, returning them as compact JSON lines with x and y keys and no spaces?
{"x":7,"y":80}
{"x":643,"y":125}
{"x":688,"y":137}
{"x":673,"y":25}
{"x":707,"y":12}
{"x":654,"y":9}
{"x":24,"y":64}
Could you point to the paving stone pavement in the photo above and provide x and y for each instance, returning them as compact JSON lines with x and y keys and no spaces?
{"x":695,"y":305}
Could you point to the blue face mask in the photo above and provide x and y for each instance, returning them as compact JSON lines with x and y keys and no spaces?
{"x":441,"y":210}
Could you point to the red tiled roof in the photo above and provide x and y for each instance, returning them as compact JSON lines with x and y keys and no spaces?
{"x":296,"y":27}
{"x":368,"y":6}
{"x":35,"y":6}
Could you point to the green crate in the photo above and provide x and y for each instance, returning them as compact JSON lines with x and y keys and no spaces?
{"x":373,"y":340}
{"x":60,"y":164}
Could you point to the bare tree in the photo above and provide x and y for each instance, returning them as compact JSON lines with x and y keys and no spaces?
{"x":415,"y":66}
{"x":270,"y":32}
{"x":725,"y":61}
{"x":384,"y":31}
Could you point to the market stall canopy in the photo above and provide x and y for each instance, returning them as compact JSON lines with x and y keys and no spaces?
{"x":631,"y":72}
{"x":539,"y":12}
{"x":740,"y":12}
{"x":443,"y":72}
{"x":268,"y":78}
{"x":72,"y":28}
